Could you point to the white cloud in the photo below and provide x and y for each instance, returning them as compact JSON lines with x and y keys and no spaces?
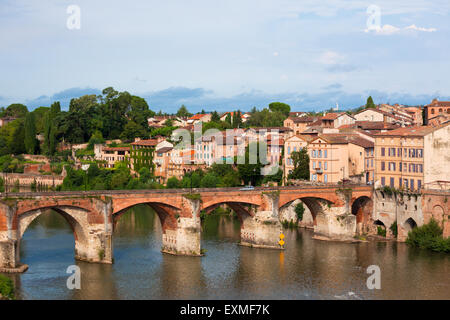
{"x":330,"y":57}
{"x":388,"y":29}
{"x":414,"y":27}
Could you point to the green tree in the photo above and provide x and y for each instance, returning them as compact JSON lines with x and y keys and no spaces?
{"x":301,"y":165}
{"x":228,"y":119}
{"x":251,"y":172}
{"x":30,"y":140}
{"x":50,"y":130}
{"x":16,"y":110}
{"x":215,"y":117}
{"x":237,"y":120}
{"x":209,"y":181}
{"x":173,"y":183}
{"x":299,"y":210}
{"x":280,"y":107}
{"x":133,"y":130}
{"x":183,"y":112}
{"x":96,"y":138}
{"x":369,"y":103}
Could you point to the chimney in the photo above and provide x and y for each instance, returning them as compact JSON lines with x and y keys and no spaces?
{"x":384,"y":121}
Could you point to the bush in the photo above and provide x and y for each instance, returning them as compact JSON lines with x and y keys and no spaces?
{"x":381,"y":231}
{"x":299,"y":210}
{"x":429,"y":236}
{"x":394,"y":229}
{"x":6,"y":287}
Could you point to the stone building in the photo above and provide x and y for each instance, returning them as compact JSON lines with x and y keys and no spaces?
{"x":411,"y":157}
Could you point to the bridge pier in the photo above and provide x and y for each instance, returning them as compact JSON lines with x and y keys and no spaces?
{"x":261,"y":231}
{"x":182,"y":237}
{"x":335,"y":223}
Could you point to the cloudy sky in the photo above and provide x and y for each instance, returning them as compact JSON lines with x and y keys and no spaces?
{"x":226,"y":54}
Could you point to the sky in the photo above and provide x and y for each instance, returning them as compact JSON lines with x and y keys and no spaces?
{"x":226,"y":54}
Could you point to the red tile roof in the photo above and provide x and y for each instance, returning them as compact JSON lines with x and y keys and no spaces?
{"x":412,"y":131}
{"x":197,"y":116}
{"x":116,"y":149}
{"x":147,"y":143}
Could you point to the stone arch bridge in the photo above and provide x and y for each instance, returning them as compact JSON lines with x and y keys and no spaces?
{"x":92,"y":215}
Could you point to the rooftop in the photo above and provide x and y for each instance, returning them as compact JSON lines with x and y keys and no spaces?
{"x":412,"y":131}
{"x":147,"y":143}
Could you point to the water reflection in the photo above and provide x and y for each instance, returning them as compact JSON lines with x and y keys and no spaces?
{"x":307,"y":269}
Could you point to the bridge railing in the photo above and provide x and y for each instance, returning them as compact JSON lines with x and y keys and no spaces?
{"x":175,"y":191}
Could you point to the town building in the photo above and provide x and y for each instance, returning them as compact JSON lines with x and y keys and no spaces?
{"x":337,"y":157}
{"x":299,"y":124}
{"x":109,"y":156}
{"x":142,"y":153}
{"x":411,"y":157}
{"x":379,"y":115}
{"x":199,"y":118}
{"x":436,"y":109}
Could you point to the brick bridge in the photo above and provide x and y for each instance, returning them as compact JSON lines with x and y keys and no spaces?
{"x":92,"y":215}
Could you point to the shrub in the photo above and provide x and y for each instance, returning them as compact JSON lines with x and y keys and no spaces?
{"x":394,"y":229}
{"x":429,"y":236}
{"x":299,"y":210}
{"x":381,"y":231}
{"x":6,"y":287}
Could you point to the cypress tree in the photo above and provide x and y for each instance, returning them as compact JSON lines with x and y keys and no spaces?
{"x":30,"y":133}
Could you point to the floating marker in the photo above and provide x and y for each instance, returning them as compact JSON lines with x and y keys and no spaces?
{"x":281,"y":242}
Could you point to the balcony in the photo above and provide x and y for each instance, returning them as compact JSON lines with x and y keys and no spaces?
{"x":319,"y":170}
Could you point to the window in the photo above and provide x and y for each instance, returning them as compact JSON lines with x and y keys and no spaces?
{"x":289,"y":150}
{"x":382,"y":152}
{"x":325,"y":177}
{"x":320,"y":153}
{"x":411,"y":183}
{"x":325,"y":165}
{"x":419,"y":184}
{"x":371,"y":163}
{"x":382,"y":166}
{"x":325,"y":152}
{"x":405,"y":183}
{"x":383,"y":181}
{"x":314,"y":165}
{"x":399,"y":152}
{"x":392,"y":182}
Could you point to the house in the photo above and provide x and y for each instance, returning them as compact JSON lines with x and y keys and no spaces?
{"x":299,"y":124}
{"x":334,"y":157}
{"x":435,"y":108}
{"x":199,"y":118}
{"x":411,"y":157}
{"x":110,"y":155}
{"x":142,"y":153}
{"x":379,"y":115}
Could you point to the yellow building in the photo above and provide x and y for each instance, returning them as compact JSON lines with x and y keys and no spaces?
{"x":411,"y":157}
{"x":334,"y":157}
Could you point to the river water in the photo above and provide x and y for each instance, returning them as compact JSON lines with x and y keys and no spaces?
{"x":307,"y":269}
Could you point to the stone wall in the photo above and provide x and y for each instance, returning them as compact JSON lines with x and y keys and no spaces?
{"x":27,"y":179}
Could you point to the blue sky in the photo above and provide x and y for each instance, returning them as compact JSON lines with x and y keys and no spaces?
{"x":226,"y":54}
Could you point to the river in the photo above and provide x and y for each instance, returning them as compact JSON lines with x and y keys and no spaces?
{"x":307,"y":269}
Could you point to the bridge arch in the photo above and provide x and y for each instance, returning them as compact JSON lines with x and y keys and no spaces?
{"x":438,"y":214}
{"x":166,"y":213}
{"x":409,"y":224}
{"x":76,"y":217}
{"x":362,"y":208}
{"x":314,"y":204}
